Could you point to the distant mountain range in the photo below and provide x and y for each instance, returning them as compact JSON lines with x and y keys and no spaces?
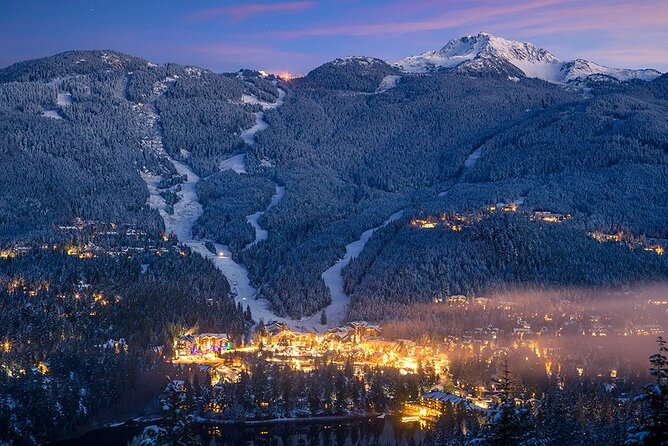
{"x":485,"y":53}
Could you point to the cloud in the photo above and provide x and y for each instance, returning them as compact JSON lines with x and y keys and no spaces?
{"x":609,"y":17}
{"x":630,"y":57}
{"x":443,"y":20}
{"x":240,"y":12}
{"x":538,"y":17}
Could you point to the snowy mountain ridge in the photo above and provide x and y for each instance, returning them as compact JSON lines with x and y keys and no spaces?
{"x":485,"y":52}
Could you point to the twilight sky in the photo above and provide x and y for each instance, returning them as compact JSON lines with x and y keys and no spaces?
{"x":298,"y":35}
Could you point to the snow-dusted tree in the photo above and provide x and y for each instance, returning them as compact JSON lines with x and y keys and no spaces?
{"x":653,"y":429}
{"x":508,"y":424}
{"x":178,"y":427}
{"x":149,"y":437}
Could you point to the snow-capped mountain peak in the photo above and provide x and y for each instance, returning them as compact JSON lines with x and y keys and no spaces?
{"x":486,"y":52}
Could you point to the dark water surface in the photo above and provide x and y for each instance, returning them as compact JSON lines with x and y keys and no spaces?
{"x":346,"y":432}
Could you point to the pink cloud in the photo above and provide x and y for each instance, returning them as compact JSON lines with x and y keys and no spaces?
{"x":629,"y":57}
{"x":614,"y":18}
{"x":480,"y":14}
{"x":536,"y":17}
{"x":243,"y":11}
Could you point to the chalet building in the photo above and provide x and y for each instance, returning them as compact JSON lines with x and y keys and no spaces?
{"x":433,"y":404}
{"x":274,"y":328}
{"x":204,"y":343}
{"x":457,"y":299}
{"x":355,"y":332}
{"x":549,"y":217}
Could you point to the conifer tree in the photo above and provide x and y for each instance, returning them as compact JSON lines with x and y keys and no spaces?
{"x":653,"y":429}
{"x":178,"y":423}
{"x":509,"y":424}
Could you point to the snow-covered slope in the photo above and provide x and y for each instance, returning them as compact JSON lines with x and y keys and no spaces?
{"x":486,"y":52}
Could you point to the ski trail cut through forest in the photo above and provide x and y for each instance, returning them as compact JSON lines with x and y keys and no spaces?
{"x":470,"y":161}
{"x":186,"y":212}
{"x":336,"y":311}
{"x":260,"y":233}
{"x":248,"y":137}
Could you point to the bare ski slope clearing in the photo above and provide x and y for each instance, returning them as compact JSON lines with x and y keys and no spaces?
{"x":235,"y":163}
{"x":248,"y":135}
{"x":336,"y":311}
{"x":262,"y":234}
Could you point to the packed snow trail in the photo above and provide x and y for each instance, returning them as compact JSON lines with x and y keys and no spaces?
{"x":235,"y":163}
{"x":248,"y":135}
{"x":53,"y":114}
{"x":261,"y":234}
{"x":186,"y":212}
{"x":64,"y":99}
{"x":470,"y":161}
{"x":387,"y":83}
{"x":336,"y":311}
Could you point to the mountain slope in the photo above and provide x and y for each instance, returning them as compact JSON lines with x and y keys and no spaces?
{"x":485,"y":52}
{"x":349,"y":73}
{"x":347,"y":157}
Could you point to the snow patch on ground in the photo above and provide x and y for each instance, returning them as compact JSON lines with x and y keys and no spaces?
{"x":64,"y":99}
{"x":160,"y":87}
{"x":252,"y":99}
{"x":262,"y":234}
{"x":473,"y":158}
{"x":336,"y":311}
{"x":52,"y":114}
{"x":266,"y":163}
{"x":248,"y":135}
{"x":470,"y":161}
{"x":236,"y":163}
{"x":387,"y":83}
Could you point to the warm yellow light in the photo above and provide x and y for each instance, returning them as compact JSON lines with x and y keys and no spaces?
{"x":42,"y":368}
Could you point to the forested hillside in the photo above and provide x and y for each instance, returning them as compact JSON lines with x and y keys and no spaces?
{"x":498,"y":183}
{"x":602,"y":161}
{"x":352,"y":143}
{"x":92,"y":291}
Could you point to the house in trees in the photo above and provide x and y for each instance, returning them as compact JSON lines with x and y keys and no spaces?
{"x":433,"y":404}
{"x":202,"y":344}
